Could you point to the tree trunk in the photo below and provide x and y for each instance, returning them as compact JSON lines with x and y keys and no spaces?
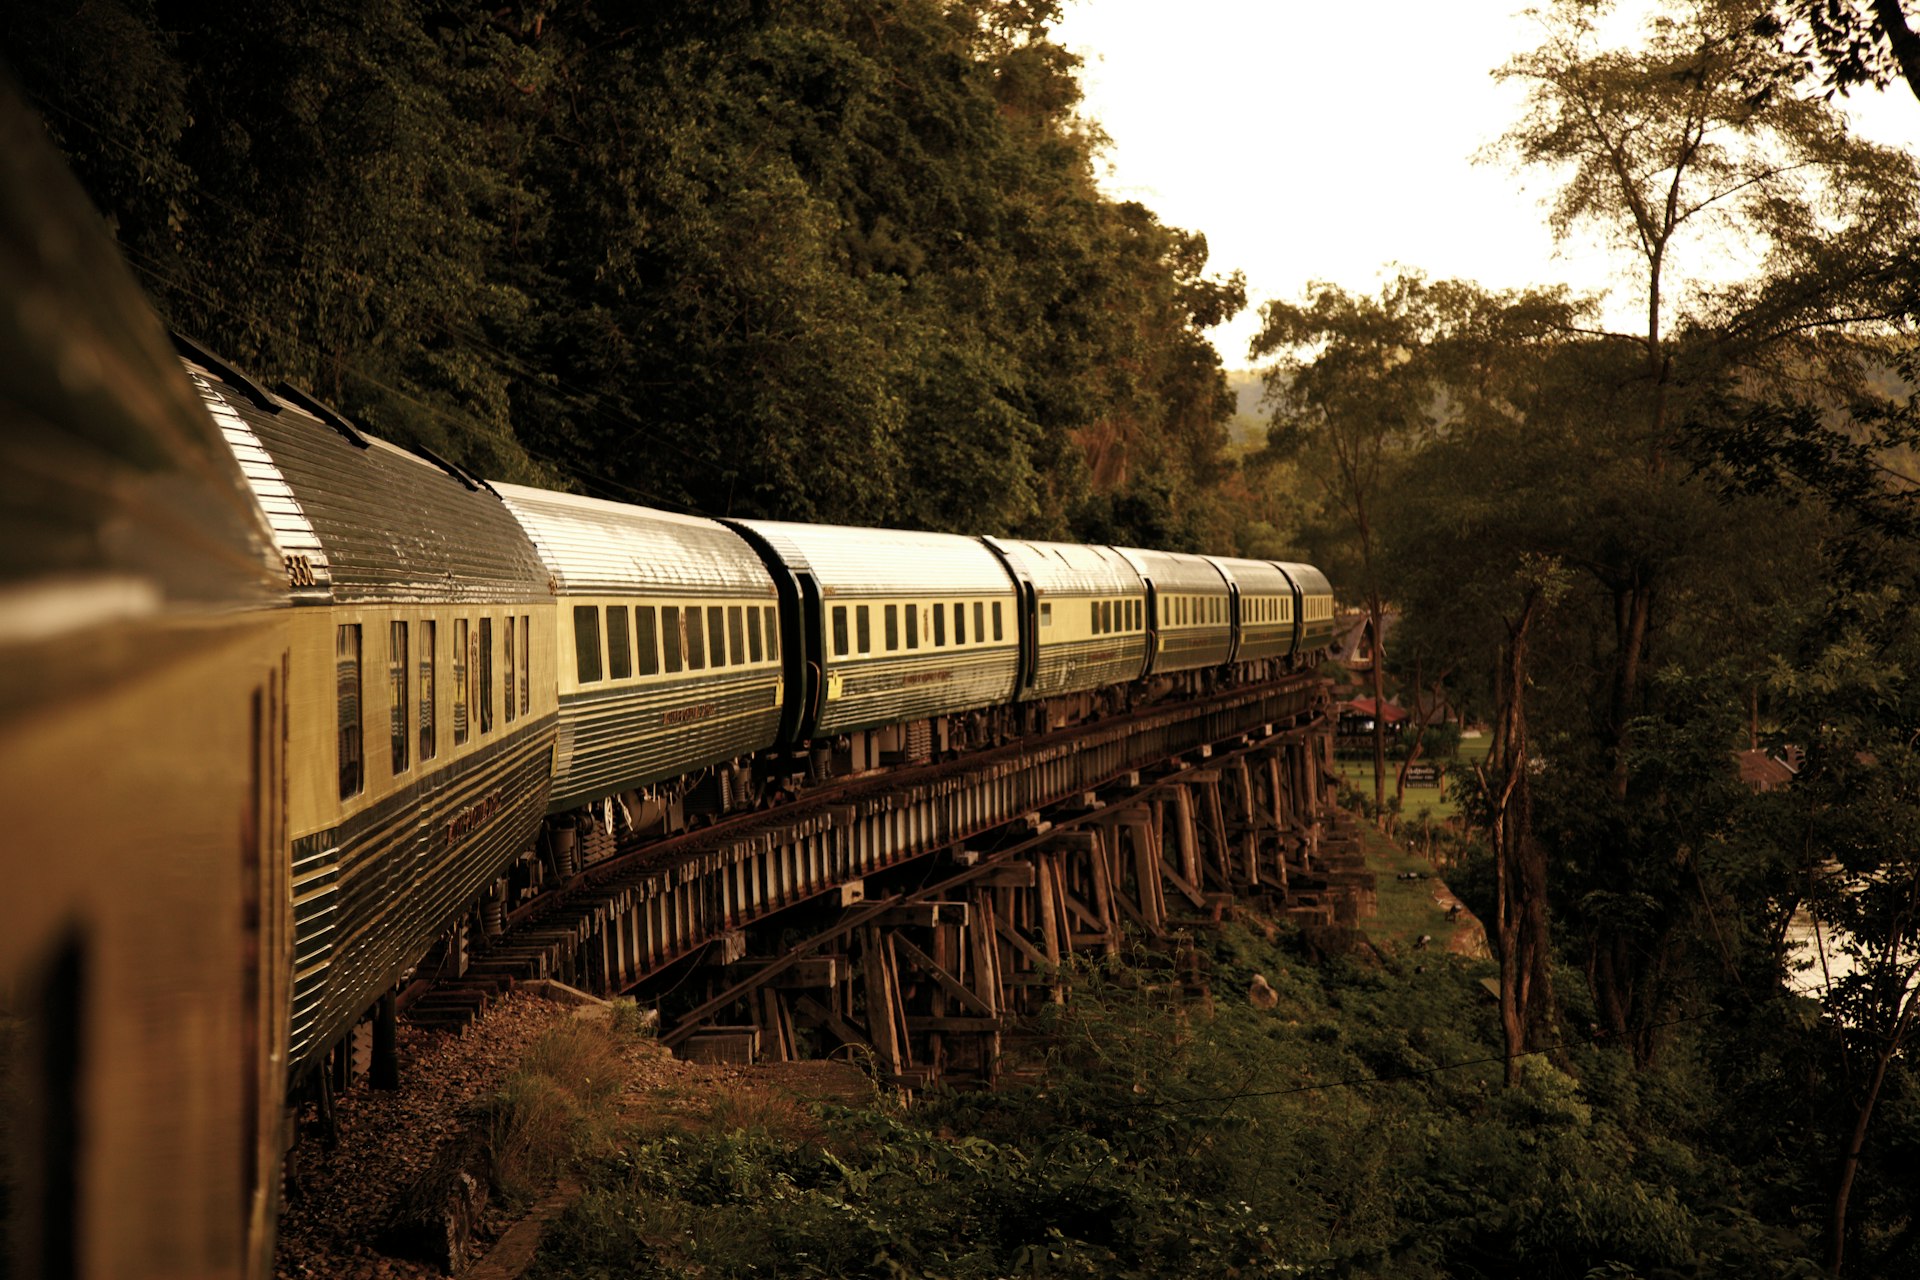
{"x":1631,"y":609}
{"x":1520,"y":870}
{"x":1379,"y":711}
{"x":1863,"y":1117}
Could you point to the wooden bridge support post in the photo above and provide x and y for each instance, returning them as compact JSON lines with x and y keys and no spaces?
{"x":1283,"y":819}
{"x":1243,"y":821}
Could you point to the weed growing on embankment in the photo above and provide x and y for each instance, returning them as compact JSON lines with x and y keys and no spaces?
{"x":1334,"y":1134}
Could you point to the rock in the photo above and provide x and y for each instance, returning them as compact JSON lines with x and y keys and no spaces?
{"x":435,"y":1218}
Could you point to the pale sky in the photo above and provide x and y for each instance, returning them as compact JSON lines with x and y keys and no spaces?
{"x":1314,"y":141}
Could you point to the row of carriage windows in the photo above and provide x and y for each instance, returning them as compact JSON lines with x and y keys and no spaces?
{"x":1264,"y":609}
{"x":1118,"y":615}
{"x":1188,"y":610}
{"x":671,"y":639}
{"x":902,"y":626}
{"x":413,"y":666}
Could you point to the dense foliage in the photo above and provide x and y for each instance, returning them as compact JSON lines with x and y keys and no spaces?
{"x":814,"y":259}
{"x":1641,"y":546}
{"x":1358,"y":1128}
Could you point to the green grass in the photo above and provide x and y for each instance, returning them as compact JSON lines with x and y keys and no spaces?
{"x":1438,"y":804}
{"x":1406,"y":908}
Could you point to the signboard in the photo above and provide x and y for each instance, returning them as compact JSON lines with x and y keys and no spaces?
{"x":1423,"y":774}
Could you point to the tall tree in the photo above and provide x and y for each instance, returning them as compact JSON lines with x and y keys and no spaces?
{"x":1666,"y":146}
{"x":1348,"y":398}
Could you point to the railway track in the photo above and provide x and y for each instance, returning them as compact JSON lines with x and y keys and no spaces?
{"x":654,"y":905}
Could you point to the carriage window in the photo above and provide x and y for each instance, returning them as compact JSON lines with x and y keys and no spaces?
{"x":939,"y":623}
{"x":959,"y":622}
{"x":696,"y":642}
{"x":839,"y":631}
{"x":1106,"y":615}
{"x":893,"y":627}
{"x":429,"y":648}
{"x":717,"y":635}
{"x":980,"y":619}
{"x":346,"y":683}
{"x":646,"y":638}
{"x":397,"y":693}
{"x":673,"y":635}
{"x":736,"y":641}
{"x":483,"y":677}
{"x":511,"y":667}
{"x":1095,"y":604}
{"x":526,"y":661}
{"x":862,"y":628}
{"x":1046,"y":615}
{"x":619,"y":643}
{"x":913,"y":626}
{"x":586,"y":641}
{"x":773,"y":633}
{"x":756,"y":652}
{"x":462,"y":706}
{"x":996,"y":620}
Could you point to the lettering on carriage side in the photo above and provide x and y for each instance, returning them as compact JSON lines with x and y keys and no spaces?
{"x":885,"y":684}
{"x":687,"y":715}
{"x":476,"y":815}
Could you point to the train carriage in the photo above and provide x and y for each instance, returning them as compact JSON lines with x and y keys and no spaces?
{"x":1262,"y":609}
{"x":669,"y":642}
{"x":900,"y":626}
{"x":1188,"y":610}
{"x":142,"y":750}
{"x":1083,"y":615}
{"x":1312,"y":607}
{"x":423,"y":690}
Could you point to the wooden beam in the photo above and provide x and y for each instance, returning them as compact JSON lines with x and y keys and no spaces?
{"x":1076,"y":907}
{"x":880,"y":1000}
{"x":974,"y":1026}
{"x":952,"y":985}
{"x":1021,"y":945}
{"x":1180,"y":882}
{"x":808,"y":1007}
{"x":922,"y":915}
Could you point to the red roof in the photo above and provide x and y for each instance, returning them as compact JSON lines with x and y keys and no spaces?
{"x":1365,"y":707}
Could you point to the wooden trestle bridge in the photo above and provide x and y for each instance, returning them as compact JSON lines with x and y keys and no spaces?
{"x":919,"y":912}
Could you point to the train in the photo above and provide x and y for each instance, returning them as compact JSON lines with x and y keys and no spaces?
{"x":285,"y":706}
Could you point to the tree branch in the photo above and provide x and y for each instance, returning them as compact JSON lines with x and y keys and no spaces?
{"x":1906,"y":44}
